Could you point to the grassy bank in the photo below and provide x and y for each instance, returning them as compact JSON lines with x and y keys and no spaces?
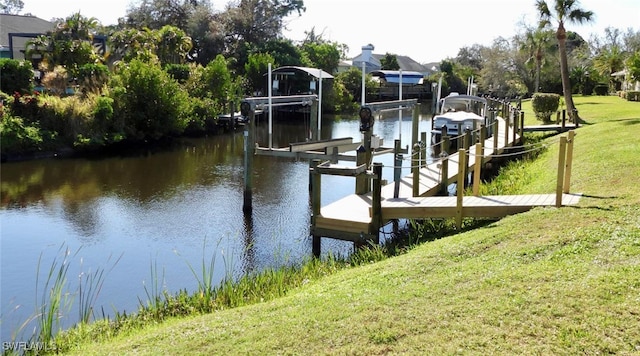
{"x":550,"y":281}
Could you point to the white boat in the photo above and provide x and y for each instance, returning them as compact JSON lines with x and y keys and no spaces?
{"x":457,"y":113}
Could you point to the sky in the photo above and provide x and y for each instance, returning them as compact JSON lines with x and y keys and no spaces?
{"x":425,"y":30}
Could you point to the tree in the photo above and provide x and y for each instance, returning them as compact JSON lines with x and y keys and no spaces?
{"x":563,"y":11}
{"x":536,"y":44}
{"x":154,"y":14}
{"x":499,"y":76}
{"x":69,"y":45}
{"x":255,"y":68}
{"x":389,"y":62}
{"x":173,"y":45}
{"x":11,"y":7}
{"x":148,"y":102}
{"x":255,"y":21}
{"x":130,"y":43}
{"x":322,"y":55}
{"x":207,"y":35}
{"x":633,"y":66}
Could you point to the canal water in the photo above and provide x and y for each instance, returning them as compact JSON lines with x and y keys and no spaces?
{"x":146,"y":221}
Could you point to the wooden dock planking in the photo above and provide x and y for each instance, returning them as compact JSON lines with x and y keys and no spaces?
{"x":352,"y":214}
{"x":349,"y":214}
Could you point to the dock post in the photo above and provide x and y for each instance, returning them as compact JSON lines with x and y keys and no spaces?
{"x":460,"y":186}
{"x":249,"y":138}
{"x":569,"y":161}
{"x":564,"y":119}
{"x":316,"y":184}
{"x":416,"y":169}
{"x":561,"y":163}
{"x":376,"y":202}
{"x":444,"y":163}
{"x":361,"y":180}
{"x":515,"y":119}
{"x":477,"y":170}
{"x":313,"y":118}
{"x":496,"y":135}
{"x":467,"y":150}
{"x":444,"y":182}
{"x":445,"y":143}
{"x":415,"y":120}
{"x":460,"y":139}
{"x":423,"y":149}
{"x":507,"y":123}
{"x":397,"y":168}
{"x":521,"y":126}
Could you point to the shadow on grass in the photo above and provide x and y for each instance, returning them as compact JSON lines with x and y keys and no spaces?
{"x":628,"y":122}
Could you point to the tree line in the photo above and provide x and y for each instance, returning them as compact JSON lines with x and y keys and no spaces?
{"x":170,"y":67}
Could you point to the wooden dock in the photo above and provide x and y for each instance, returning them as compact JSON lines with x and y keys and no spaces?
{"x":353,"y":217}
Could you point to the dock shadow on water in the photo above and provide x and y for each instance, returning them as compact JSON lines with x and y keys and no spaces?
{"x":158,"y":209}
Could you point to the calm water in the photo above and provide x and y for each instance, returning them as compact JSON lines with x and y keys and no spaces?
{"x":161,"y":213}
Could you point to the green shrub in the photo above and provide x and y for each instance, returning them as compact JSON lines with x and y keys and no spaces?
{"x":92,"y":77}
{"x":601,"y":89}
{"x":18,"y":137}
{"x":68,"y":117}
{"x":544,"y":105}
{"x":149,"y":102}
{"x":633,"y":95}
{"x":17,"y":76}
{"x":26,"y":106}
{"x":203,"y":115}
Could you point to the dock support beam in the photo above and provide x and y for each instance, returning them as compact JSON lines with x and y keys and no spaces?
{"x":462,"y":156}
{"x":569,"y":161}
{"x":316,"y":183}
{"x":477,"y":169}
{"x":249,"y":142}
{"x":376,"y":203}
{"x":561,"y":163}
{"x":397,"y":168}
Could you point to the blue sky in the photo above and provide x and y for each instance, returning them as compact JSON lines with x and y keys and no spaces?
{"x":426,"y":30}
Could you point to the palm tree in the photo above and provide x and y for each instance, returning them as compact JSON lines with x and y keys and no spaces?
{"x":564,"y":10}
{"x":536,"y":43}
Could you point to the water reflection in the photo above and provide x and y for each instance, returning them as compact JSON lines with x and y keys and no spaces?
{"x":177,"y":207}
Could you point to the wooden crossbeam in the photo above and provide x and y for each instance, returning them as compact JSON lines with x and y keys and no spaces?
{"x":319,"y":145}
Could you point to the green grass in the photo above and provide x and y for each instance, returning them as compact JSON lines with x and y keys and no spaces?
{"x":549,"y":281}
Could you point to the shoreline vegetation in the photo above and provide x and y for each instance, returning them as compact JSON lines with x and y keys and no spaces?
{"x":546,"y":281}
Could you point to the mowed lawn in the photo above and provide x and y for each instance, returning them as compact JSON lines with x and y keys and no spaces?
{"x":549,"y":281}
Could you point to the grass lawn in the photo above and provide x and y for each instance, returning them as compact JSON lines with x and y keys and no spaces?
{"x":549,"y":281}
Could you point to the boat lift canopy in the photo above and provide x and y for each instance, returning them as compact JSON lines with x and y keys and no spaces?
{"x":393,"y":76}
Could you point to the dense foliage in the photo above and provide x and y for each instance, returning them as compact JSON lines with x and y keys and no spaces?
{"x":170,"y":67}
{"x":148,"y":103}
{"x":16,"y":76}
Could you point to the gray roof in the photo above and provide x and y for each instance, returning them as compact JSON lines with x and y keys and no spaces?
{"x":406,"y":63}
{"x":21,"y":24}
{"x":28,"y":26}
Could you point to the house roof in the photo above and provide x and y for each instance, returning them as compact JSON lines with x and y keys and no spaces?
{"x":315,"y":72}
{"x":406,"y":63}
{"x":21,"y":24}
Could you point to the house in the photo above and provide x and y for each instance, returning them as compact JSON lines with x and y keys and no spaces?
{"x":627,"y":83}
{"x":372,"y":63}
{"x":17,"y":30}
{"x":413,"y":74}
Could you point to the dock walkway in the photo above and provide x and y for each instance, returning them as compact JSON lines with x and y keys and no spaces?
{"x":351,"y":216}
